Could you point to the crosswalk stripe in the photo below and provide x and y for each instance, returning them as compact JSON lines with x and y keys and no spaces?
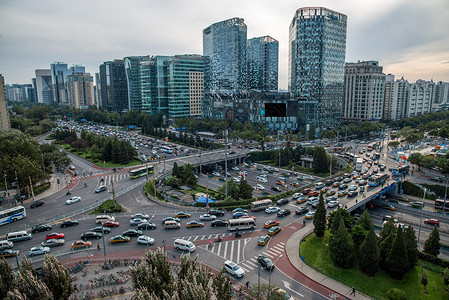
{"x":225,"y":249}
{"x":219,"y":249}
{"x":232,"y":251}
{"x":267,"y":254}
{"x":245,"y":270}
{"x":248,"y":266}
{"x":238,"y":251}
{"x":277,"y":247}
{"x":276,"y":253}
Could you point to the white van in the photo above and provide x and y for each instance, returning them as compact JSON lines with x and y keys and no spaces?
{"x":184,"y":245}
{"x":103,"y":218}
{"x":4,"y":244}
{"x":172,"y":225}
{"x":18,"y":236}
{"x":319,"y":185}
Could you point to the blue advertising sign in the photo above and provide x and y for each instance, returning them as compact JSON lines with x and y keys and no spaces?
{"x":83,"y":120}
{"x":131,"y":126}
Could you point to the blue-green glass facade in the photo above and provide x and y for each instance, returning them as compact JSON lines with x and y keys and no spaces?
{"x":317,"y":48}
{"x":263,"y":63}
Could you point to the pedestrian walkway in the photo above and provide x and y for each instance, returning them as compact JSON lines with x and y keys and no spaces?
{"x":273,"y":252}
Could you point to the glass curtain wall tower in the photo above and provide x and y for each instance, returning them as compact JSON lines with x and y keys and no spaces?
{"x":113,"y":83}
{"x":263,"y":57}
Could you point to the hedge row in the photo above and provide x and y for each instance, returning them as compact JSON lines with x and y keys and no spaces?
{"x":414,"y":190}
{"x":433,"y":259}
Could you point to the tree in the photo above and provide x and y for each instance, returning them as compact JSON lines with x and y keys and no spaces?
{"x":369,"y":254}
{"x":6,"y":278}
{"x":233,"y":189}
{"x":319,"y":219}
{"x":57,"y":278}
{"x":320,"y":164}
{"x":387,"y":229}
{"x":245,"y":190}
{"x":341,"y":247}
{"x":397,"y":260}
{"x":28,"y":286}
{"x":411,"y":245}
{"x":222,"y":286}
{"x":384,"y":248}
{"x":335,"y":221}
{"x":432,"y":244}
{"x":193,"y":280}
{"x":345,"y":215}
{"x":365,"y":221}
{"x":446,"y":276}
{"x":358,"y":235}
{"x":424,"y":279}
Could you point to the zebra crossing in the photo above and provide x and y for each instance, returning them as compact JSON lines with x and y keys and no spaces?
{"x":108,"y":178}
{"x":273,"y":253}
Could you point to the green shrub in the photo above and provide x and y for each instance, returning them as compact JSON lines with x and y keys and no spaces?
{"x":433,"y":259}
{"x":108,"y":207}
{"x":396,"y":294}
{"x":414,"y":190}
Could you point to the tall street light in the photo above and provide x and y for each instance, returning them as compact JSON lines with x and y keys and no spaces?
{"x":104,"y":246}
{"x":445,"y":195}
{"x":420,"y":217}
{"x":269,"y":275}
{"x":6,"y":185}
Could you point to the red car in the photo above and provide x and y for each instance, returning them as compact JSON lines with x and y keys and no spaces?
{"x":110,"y":224}
{"x":314,"y":193}
{"x":432,"y":221}
{"x":54,"y":235}
{"x":306,"y":191}
{"x":247,"y":216}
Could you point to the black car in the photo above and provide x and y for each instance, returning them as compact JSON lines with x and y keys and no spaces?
{"x":171,"y":219}
{"x":352,"y":193}
{"x":37,"y":204}
{"x":437,"y":179}
{"x":99,"y":229}
{"x":216,"y":212}
{"x":132,"y":232}
{"x":68,"y":223}
{"x":91,"y":235}
{"x":284,"y":212}
{"x":302,"y":210}
{"x":276,"y":189}
{"x":40,"y":228}
{"x":265,"y":262}
{"x":342,"y":186}
{"x":282,"y":202}
{"x":328,"y":182}
{"x":216,"y":223}
{"x":146,"y":225}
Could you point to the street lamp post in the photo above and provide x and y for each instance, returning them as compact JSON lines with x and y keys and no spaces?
{"x":269,"y":275}
{"x":226,"y":163}
{"x":258,"y":284}
{"x":104,"y":246}
{"x":445,"y":195}
{"x":6,"y":185}
{"x":420,"y":216}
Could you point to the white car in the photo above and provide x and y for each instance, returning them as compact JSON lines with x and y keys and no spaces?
{"x":137,"y":221}
{"x":237,"y":179}
{"x":216,"y":174}
{"x":145,"y":240}
{"x":352,"y":187}
{"x":272,"y":210}
{"x":73,"y":200}
{"x":311,"y":200}
{"x":140,"y":216}
{"x":207,"y":217}
{"x":332,"y":204}
{"x":262,"y":179}
{"x":235,"y":168}
{"x":260,"y":187}
{"x":234,"y":269}
{"x":38,"y":251}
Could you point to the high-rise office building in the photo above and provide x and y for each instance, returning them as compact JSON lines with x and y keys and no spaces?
{"x":5,"y":124}
{"x":80,"y":90}
{"x":132,"y":71}
{"x":263,"y":63}
{"x":44,"y":88}
{"x":364,"y":91}
{"x":421,"y":95}
{"x":317,"y":48}
{"x":59,"y":73}
{"x":77,"y":69}
{"x":113,"y":86}
{"x":224,"y":43}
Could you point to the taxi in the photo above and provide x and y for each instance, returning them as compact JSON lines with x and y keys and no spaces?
{"x":402,"y":198}
{"x":9,"y":253}
{"x":81,"y":244}
{"x":313,"y":193}
{"x":389,"y":207}
{"x":119,"y":239}
{"x":309,"y":215}
{"x":263,"y":240}
{"x":336,"y":184}
{"x":182,"y":214}
{"x":273,"y":230}
{"x":330,"y":193}
{"x":342,"y":193}
{"x":325,"y":189}
{"x":194,"y":224}
{"x":301,"y":200}
{"x":271,"y":223}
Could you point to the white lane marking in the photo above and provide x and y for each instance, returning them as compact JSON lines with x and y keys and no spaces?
{"x":289,"y":287}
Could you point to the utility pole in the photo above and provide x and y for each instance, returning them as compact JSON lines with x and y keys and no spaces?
{"x":154,"y":181}
{"x":330,"y":169}
{"x":113,"y":191}
{"x":226,"y":162}
{"x":420,"y":217}
{"x":445,"y":195}
{"x":6,"y":185}
{"x":31,"y":186}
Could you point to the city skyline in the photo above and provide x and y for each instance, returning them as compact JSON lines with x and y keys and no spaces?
{"x":408,"y":38}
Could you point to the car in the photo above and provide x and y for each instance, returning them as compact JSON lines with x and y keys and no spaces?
{"x":235,"y":168}
{"x":54,"y":235}
{"x":314,"y":194}
{"x":40,"y":228}
{"x":91,"y":235}
{"x":347,"y":180}
{"x":387,"y":218}
{"x":333,"y":204}
{"x":375,"y":171}
{"x":72,"y":167}
{"x":238,"y":209}
{"x":363,"y":182}
{"x":216,"y":212}
{"x":81,"y":244}
{"x":262,"y":179}
{"x":328,"y":182}
{"x":233,"y":269}
{"x":336,"y":184}
{"x":342,"y":193}
{"x":146,"y":226}
{"x":243,"y":173}
{"x":331,"y":198}
{"x":402,"y":198}
{"x":137,"y":221}
{"x":324,"y":189}
{"x":330,"y":193}
{"x":194,"y":223}
{"x":271,"y":223}
{"x":217,"y":223}
{"x":145,"y":240}
{"x":353,"y":193}
{"x":239,"y":214}
{"x":119,"y":239}
{"x":311,"y":200}
{"x":132,"y":232}
{"x":302,"y":210}
{"x":436,"y":179}
{"x":9,"y":253}
{"x":182,"y":214}
{"x":237,"y":179}
{"x":272,"y":209}
{"x":353,"y":187}
{"x":301,"y":200}
{"x":207,"y":217}
{"x":276,"y":189}
{"x":306,"y":191}
{"x":263,"y":240}
{"x":265,"y":262}
{"x":273,"y":230}
{"x":100,"y":189}
{"x":216,"y":174}
{"x":388,"y":206}
{"x":281,"y":202}
{"x":310,"y":214}
{"x":39,"y":250}
{"x":73,"y":200}
{"x":101,"y":229}
{"x":171,"y":219}
{"x":315,"y":203}
{"x":342,"y":186}
{"x":139,"y":216}
{"x":284,"y":212}
{"x":68,"y":223}
{"x":111,"y":224}
{"x":259,"y":187}
{"x":432,"y":221}
{"x":37,"y":204}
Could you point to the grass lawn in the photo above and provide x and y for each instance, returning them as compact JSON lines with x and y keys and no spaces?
{"x":108,"y":207}
{"x":316,"y":254}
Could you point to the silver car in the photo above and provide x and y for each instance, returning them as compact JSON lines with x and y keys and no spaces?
{"x":38,"y":251}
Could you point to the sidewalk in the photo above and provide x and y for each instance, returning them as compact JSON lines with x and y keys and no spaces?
{"x":292,"y":249}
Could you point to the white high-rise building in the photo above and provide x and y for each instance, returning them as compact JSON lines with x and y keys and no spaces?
{"x":44,"y":87}
{"x":395,"y":98}
{"x":421,"y":95}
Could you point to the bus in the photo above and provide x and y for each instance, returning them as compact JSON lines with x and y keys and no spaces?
{"x":439,"y":203}
{"x":401,"y":170}
{"x":167,"y":149}
{"x":359,"y":164}
{"x":241,"y":224}
{"x":142,"y":171}
{"x":261,"y":204}
{"x":417,"y":204}
{"x":377,"y":155}
{"x":12,"y":214}
{"x":377,"y":179}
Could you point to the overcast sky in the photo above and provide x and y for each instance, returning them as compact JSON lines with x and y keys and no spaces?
{"x":409,"y":38}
